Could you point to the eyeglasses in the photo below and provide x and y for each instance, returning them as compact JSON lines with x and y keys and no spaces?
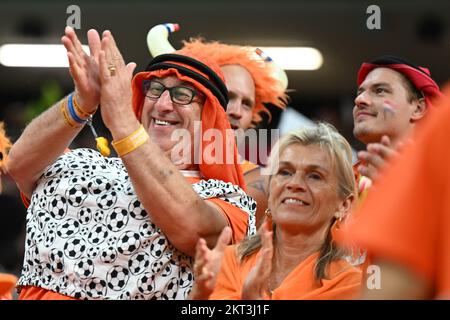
{"x":179,"y":94}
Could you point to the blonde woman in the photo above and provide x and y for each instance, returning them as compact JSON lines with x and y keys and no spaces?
{"x":312,"y":188}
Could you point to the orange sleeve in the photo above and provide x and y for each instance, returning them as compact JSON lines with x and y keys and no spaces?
{"x":7,"y":284}
{"x":229,"y":279}
{"x":405,"y":216}
{"x":237,"y":219}
{"x":25,"y":200}
{"x":247,"y":166}
{"x":37,"y":293}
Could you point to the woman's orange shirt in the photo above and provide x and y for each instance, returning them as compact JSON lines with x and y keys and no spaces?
{"x":344,"y":280}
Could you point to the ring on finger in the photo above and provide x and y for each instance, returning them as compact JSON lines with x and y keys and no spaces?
{"x":112,"y":69}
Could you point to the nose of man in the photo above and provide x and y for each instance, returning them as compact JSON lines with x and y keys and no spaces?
{"x":234,"y":110}
{"x":164,"y":103}
{"x":362,"y":99}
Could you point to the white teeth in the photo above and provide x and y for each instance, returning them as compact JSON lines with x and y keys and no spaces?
{"x":290,"y":200}
{"x":162,"y":123}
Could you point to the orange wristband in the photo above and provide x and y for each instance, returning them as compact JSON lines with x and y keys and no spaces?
{"x":79,"y":110}
{"x":66,"y":116}
{"x":132,"y":142}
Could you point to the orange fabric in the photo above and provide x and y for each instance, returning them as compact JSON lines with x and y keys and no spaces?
{"x":7,"y":284}
{"x":25,"y":200}
{"x":248,"y":166}
{"x":237,"y":219}
{"x":37,"y":293}
{"x":267,"y":88}
{"x":411,"y":227}
{"x":344,"y":283}
{"x":213,"y":117}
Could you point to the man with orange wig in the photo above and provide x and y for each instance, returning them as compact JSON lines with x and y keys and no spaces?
{"x":119,"y":228}
{"x":249,"y":79}
{"x":251,"y":83}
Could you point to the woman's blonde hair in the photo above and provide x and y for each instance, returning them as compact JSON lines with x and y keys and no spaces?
{"x":340,"y":152}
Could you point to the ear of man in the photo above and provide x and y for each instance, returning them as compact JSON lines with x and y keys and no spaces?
{"x":420,"y":109}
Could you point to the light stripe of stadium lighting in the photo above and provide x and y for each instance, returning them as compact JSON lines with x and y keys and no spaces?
{"x":295,"y":58}
{"x":35,"y":55}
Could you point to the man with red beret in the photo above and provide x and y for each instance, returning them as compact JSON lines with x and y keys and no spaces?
{"x":408,"y":236}
{"x":393,"y":96}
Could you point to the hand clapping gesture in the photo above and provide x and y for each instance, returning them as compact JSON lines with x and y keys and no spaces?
{"x":256,"y":286}
{"x":207,"y":265}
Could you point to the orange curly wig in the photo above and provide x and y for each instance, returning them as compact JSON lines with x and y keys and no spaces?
{"x":5,"y":145}
{"x":267,"y":88}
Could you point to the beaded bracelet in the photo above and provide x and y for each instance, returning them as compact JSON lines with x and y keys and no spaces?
{"x":131,"y":142}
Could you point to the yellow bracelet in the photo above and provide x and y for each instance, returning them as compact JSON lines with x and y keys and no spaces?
{"x":79,"y":110}
{"x":66,"y":115}
{"x":132,"y":142}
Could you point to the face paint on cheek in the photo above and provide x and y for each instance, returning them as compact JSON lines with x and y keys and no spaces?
{"x":388,"y":110}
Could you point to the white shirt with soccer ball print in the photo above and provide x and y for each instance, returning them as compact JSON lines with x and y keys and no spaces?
{"x":89,"y":237}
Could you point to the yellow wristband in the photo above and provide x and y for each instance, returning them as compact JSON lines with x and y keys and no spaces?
{"x":132,"y":142}
{"x":66,"y":115}
{"x":83,"y":114}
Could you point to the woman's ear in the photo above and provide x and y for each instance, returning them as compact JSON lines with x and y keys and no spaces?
{"x":345,"y":206}
{"x":419,"y":111}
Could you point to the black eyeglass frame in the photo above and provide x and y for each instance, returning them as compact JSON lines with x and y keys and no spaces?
{"x":195,"y":93}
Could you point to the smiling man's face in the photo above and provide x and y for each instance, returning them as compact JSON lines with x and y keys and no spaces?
{"x":161,"y":117}
{"x":382,"y":106}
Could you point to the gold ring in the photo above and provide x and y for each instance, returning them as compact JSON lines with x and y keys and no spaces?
{"x":112,"y":70}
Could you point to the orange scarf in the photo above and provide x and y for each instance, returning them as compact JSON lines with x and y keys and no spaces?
{"x":213,"y":116}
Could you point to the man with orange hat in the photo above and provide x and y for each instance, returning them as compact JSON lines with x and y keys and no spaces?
{"x":251,"y":82}
{"x":118,"y":228}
